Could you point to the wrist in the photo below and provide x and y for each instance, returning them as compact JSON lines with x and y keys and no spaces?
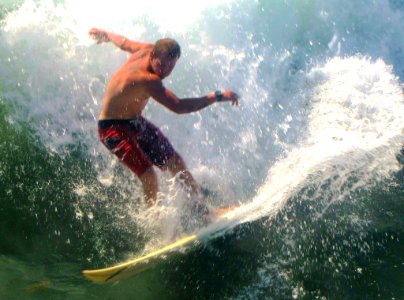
{"x":218,"y":96}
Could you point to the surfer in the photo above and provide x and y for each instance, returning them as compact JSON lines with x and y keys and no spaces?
{"x":138,"y":143}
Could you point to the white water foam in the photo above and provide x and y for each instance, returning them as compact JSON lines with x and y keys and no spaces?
{"x":356,"y":124}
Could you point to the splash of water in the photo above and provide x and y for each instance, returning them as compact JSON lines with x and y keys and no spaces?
{"x":354,"y":127}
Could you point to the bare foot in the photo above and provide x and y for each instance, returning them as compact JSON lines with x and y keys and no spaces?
{"x":222,"y":211}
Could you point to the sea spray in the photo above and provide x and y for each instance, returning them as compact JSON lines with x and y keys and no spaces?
{"x":310,"y":155}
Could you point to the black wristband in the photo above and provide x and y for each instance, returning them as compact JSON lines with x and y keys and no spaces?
{"x":219,"y":96}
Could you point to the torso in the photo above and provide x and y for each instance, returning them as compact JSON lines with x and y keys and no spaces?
{"x":126,"y":95}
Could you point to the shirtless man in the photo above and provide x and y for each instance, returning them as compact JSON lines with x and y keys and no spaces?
{"x":138,"y":143}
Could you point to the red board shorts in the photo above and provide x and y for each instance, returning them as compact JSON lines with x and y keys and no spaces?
{"x":137,"y":142}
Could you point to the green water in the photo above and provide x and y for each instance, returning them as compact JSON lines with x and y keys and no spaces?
{"x":338,"y":234}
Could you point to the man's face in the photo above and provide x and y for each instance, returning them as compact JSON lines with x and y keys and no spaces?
{"x":163,"y":64}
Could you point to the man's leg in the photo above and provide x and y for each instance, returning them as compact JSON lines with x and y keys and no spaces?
{"x":176,"y":165}
{"x":198,"y":207}
{"x":121,"y":138}
{"x":150,"y":186}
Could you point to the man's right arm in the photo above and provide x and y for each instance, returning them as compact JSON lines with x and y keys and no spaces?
{"x":102,"y":36}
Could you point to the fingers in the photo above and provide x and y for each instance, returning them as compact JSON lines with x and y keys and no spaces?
{"x":100,"y":36}
{"x":93,"y":32}
{"x":231,"y":96}
{"x":235,"y":99}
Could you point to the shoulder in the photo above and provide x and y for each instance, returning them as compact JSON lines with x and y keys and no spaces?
{"x":152,"y":81}
{"x":143,"y":49}
{"x":148,"y":47}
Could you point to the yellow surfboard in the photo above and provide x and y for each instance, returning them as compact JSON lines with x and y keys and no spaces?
{"x":147,"y":261}
{"x":136,"y":265}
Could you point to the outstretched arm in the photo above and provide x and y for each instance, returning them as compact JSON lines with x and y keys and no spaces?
{"x":102,"y":36}
{"x":187,"y":105}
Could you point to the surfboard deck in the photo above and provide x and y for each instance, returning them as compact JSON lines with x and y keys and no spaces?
{"x":144,"y":262}
{"x":134,"y":266}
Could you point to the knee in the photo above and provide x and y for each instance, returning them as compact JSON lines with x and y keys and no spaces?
{"x":176,"y":163}
{"x":149,"y":176}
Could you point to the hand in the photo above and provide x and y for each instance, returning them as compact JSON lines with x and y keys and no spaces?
{"x":230,"y":96}
{"x":99,"y":35}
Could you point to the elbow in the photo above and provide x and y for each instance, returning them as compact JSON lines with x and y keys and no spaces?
{"x":181,"y":112}
{"x":178,"y":109}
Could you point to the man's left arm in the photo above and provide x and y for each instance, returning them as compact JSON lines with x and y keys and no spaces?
{"x":188,"y":105}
